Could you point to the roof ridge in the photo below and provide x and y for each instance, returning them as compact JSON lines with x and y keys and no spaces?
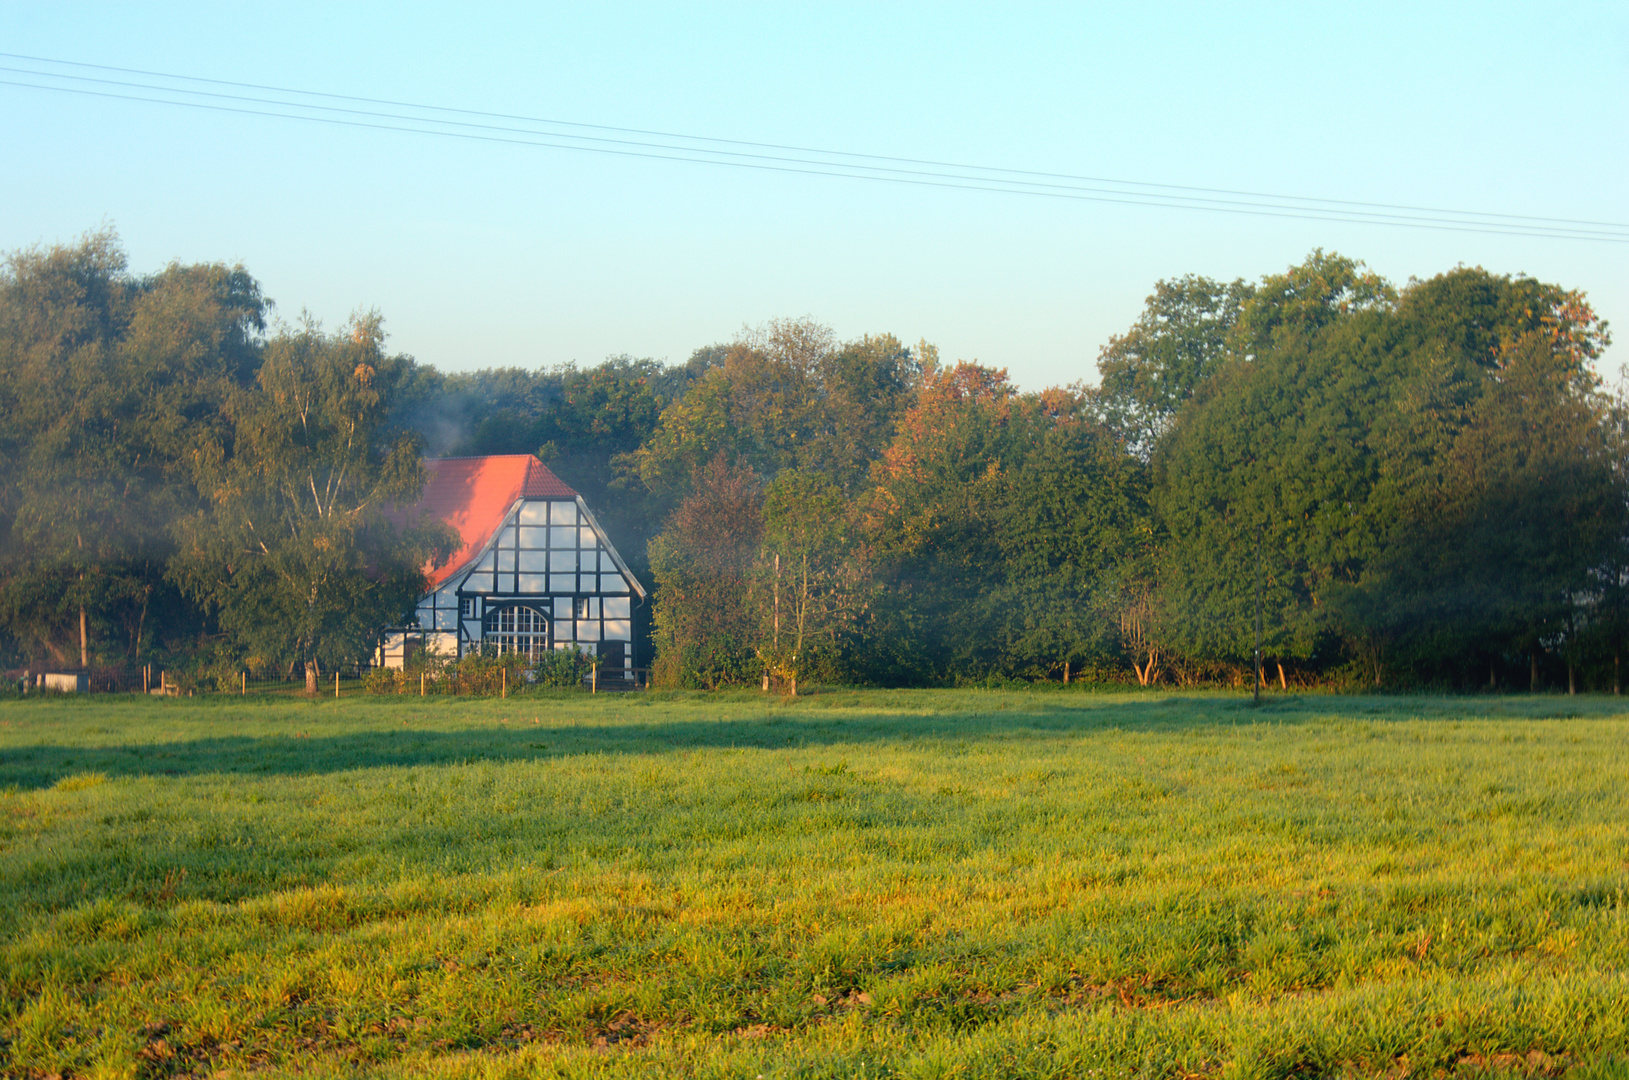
{"x":483,"y":457}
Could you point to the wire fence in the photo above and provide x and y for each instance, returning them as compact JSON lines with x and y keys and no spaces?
{"x":472,"y":676}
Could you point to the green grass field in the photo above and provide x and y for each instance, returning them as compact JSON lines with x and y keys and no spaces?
{"x":916,"y":884}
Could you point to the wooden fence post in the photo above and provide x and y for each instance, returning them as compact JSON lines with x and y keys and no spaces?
{"x":243,"y":690}
{"x":336,"y":682}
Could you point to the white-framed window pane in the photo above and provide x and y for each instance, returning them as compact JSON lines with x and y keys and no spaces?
{"x":618,"y":607}
{"x":586,"y":537}
{"x":562,"y":513}
{"x":562,"y":562}
{"x":562,"y":630}
{"x":588,"y":630}
{"x":532,"y":584}
{"x":514,"y":628}
{"x":618,"y":630}
{"x":534,"y":513}
{"x":613,"y":583}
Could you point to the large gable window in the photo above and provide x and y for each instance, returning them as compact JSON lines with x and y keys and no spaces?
{"x":516,"y":628}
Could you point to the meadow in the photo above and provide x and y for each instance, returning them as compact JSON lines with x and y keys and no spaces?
{"x":848,"y":884}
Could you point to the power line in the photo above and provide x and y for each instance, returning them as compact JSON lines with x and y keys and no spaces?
{"x":415,"y":125}
{"x":864,"y":172}
{"x":789,"y":159}
{"x":783,"y":146}
{"x":1510,"y":226}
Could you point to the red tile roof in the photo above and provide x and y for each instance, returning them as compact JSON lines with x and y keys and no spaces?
{"x":472,"y":494}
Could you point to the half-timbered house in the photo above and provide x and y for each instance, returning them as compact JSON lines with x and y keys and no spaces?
{"x":535,"y":570}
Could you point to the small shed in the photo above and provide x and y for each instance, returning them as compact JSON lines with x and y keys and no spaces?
{"x":535,"y":571}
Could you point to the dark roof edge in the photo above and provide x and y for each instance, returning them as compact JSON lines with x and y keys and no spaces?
{"x":612,"y":548}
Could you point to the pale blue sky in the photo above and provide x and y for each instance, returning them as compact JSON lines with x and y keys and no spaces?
{"x":486,"y":254}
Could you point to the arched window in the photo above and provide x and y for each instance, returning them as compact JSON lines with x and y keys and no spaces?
{"x":516,"y":629}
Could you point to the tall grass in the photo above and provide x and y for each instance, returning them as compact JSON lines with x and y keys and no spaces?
{"x":918,"y":884}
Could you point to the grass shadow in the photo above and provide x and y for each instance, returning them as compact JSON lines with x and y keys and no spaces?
{"x":313,"y":738}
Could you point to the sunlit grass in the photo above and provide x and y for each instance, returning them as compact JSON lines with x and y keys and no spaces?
{"x":856,"y":883}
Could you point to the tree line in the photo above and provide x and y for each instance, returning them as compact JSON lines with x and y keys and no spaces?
{"x":1410,"y":484}
{"x":1421,"y":484}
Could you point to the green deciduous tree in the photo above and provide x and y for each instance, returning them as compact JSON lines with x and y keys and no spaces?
{"x":1002,"y":523}
{"x":1350,"y":438}
{"x":814,"y":581}
{"x":1273,"y":467}
{"x":105,"y":378}
{"x":1074,"y":525}
{"x":933,"y":522}
{"x":1500,"y":549}
{"x":786,"y":395}
{"x":1181,"y":337}
{"x":297,"y":548}
{"x":705,"y":560}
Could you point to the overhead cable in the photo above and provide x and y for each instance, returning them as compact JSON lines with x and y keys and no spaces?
{"x":152,"y":87}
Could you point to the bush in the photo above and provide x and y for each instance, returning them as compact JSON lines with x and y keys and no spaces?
{"x":482,"y":674}
{"x":385,"y":681}
{"x":561,"y":668}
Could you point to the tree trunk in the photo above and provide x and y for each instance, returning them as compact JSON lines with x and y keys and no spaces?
{"x":1572,"y":683}
{"x":1617,"y":686}
{"x":1532,"y":676}
{"x":84,"y":638}
{"x":141,"y":624}
{"x":311,"y":674}
{"x":1493,"y":675}
{"x":1283,"y":683}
